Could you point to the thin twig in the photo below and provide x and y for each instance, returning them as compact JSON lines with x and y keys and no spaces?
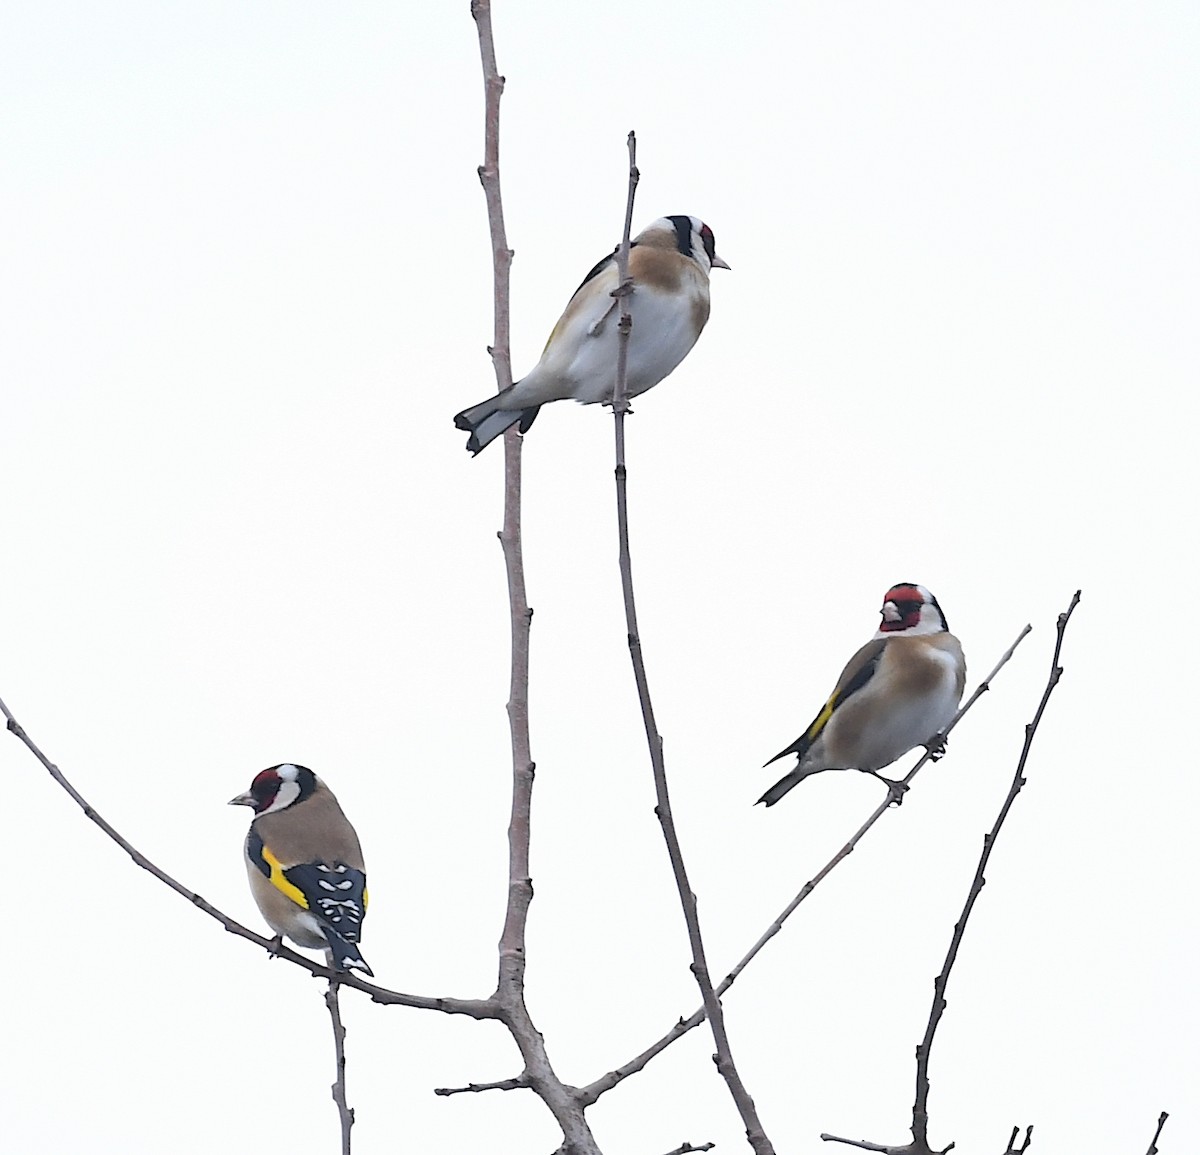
{"x":489,"y":177}
{"x":920,"y":1119}
{"x":686,"y":1147}
{"x":594,"y":1090}
{"x":866,"y":1145}
{"x":345,"y":1112}
{"x":475,"y":1008}
{"x":621,"y":294}
{"x":724,"y":1057}
{"x":1162,"y":1119}
{"x":1012,"y":1148}
{"x":562,"y":1100}
{"x":520,"y":1083}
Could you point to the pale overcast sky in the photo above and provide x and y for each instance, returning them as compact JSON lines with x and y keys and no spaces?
{"x":245,"y":285}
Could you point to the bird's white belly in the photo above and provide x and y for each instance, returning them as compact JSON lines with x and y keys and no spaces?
{"x":658,"y":342}
{"x":892,"y":734}
{"x":915,"y":726}
{"x":583,"y":365}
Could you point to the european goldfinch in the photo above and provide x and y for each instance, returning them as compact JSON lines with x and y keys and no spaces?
{"x":899,"y":691}
{"x":304,"y":862}
{"x":669,"y":263}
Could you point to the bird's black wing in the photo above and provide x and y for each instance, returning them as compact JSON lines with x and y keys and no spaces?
{"x":858,"y":672}
{"x":337,"y":894}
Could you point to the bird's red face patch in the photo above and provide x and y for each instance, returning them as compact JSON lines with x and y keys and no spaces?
{"x":907,"y":601}
{"x":264,"y":788}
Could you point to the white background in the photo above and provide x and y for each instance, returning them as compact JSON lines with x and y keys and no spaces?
{"x":246,"y":282}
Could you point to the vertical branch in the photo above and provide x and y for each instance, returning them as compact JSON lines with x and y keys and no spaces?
{"x":345,"y":1113}
{"x":620,"y":401}
{"x":520,"y":892}
{"x":489,"y":177}
{"x":563,"y":1101}
{"x":1162,"y":1122}
{"x":724,"y":1058}
{"x":920,"y":1118}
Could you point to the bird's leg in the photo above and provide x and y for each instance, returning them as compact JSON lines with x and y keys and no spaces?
{"x":896,"y":789}
{"x":936,"y":747}
{"x":275,"y":946}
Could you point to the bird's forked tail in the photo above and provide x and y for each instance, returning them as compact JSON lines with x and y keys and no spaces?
{"x":487,"y":420}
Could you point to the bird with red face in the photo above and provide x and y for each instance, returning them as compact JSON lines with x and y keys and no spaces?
{"x":899,"y":691}
{"x":305,"y":864}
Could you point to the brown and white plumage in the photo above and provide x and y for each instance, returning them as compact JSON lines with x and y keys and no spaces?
{"x":899,"y":691}
{"x":669,"y":264}
{"x":305,"y":864}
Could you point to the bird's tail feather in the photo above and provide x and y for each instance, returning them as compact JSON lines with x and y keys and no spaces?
{"x":487,"y":420}
{"x":799,"y":747}
{"x":785,"y":784}
{"x":345,"y":954}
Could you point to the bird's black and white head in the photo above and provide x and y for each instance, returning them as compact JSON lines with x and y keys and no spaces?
{"x":912,"y":610}
{"x":689,"y":235}
{"x":278,"y":788}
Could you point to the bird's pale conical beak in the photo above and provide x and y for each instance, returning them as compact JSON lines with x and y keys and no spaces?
{"x":889,"y":612}
{"x":717,"y":263}
{"x":246,"y":799}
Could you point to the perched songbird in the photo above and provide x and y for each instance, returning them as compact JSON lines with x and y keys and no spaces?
{"x":304,"y":862}
{"x":669,"y":263}
{"x":899,"y":691}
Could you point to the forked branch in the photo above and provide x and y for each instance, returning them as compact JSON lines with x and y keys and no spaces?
{"x":475,"y":1008}
{"x":920,"y":1114}
{"x":1012,"y":1148}
{"x":594,"y":1090}
{"x":538,"y":1074}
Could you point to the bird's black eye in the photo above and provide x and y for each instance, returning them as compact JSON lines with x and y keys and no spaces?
{"x":710,"y":242}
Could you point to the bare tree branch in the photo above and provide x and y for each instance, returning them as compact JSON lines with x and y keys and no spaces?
{"x":1153,"y":1148}
{"x":475,"y":1008}
{"x":620,"y":401}
{"x":686,"y":1147}
{"x":520,"y":1083}
{"x":920,"y":1112}
{"x":489,"y":177}
{"x":920,"y":1119}
{"x":345,"y":1112}
{"x":866,"y":1145}
{"x":562,"y":1100}
{"x":755,"y":1134}
{"x":1012,"y":1148}
{"x":594,"y":1090}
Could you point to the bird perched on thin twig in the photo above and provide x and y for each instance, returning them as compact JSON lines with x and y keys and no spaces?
{"x":899,"y":691}
{"x":305,"y":864}
{"x":669,"y":264}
